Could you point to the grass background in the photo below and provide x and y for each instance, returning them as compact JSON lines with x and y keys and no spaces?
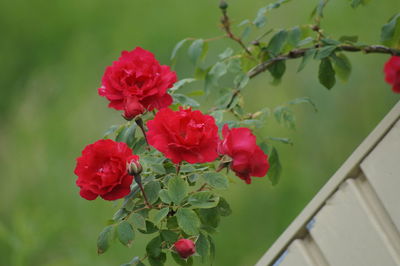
{"x":53,"y":54}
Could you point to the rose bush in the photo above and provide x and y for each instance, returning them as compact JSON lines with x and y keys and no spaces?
{"x":392,"y":73}
{"x":102,"y":170}
{"x":176,"y":195}
{"x":184,"y":135}
{"x":136,"y":83}
{"x":248,"y":159}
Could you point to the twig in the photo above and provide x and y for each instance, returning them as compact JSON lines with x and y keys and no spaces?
{"x":226,"y":25}
{"x":297,"y":53}
{"x":300,"y":53}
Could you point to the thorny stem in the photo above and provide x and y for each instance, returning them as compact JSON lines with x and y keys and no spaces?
{"x":138,"y":180}
{"x":226,"y":25}
{"x":139,"y":122}
{"x":178,"y":168}
{"x":297,"y":53}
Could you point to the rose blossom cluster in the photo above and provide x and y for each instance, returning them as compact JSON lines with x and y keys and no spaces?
{"x":136,"y":83}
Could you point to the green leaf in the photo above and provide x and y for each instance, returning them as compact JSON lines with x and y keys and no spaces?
{"x":110,"y":131}
{"x":209,"y":217}
{"x":177,"y":189}
{"x":153,"y":248}
{"x":158,"y":261}
{"x":184,"y":100}
{"x":305,"y":100}
{"x":213,"y":76}
{"x":152,"y":189}
{"x":245,"y":33}
{"x":277,"y":41}
{"x":169,"y":236}
{"x":216,"y":180}
{"x":180,"y":261}
{"x":225,"y":54}
{"x":203,"y":247}
{"x":176,"y":48}
{"x":241,"y":81}
{"x":203,"y":199}
{"x":103,"y":241}
{"x":284,"y":115}
{"x":306,"y":58}
{"x":277,"y":70}
{"x":305,"y":41}
{"x":193,"y":177}
{"x":294,"y":36}
{"x":342,"y":66}
{"x":188,"y":221}
{"x":172,"y":223}
{"x":150,"y":228}
{"x":200,"y":73}
{"x":325,"y":51}
{"x":275,"y":168}
{"x":120,"y":214}
{"x":351,"y":39}
{"x":181,"y":83}
{"x":390,"y":32}
{"x":282,"y":140}
{"x":223,"y":207}
{"x":164,"y":196}
{"x":218,"y":115}
{"x":196,"y":50}
{"x":125,"y":233}
{"x":260,"y":19}
{"x":326,"y":73}
{"x":234,"y":66}
{"x":356,"y":3}
{"x":328,"y":42}
{"x":187,"y":168}
{"x":160,"y":215}
{"x":212,"y":249}
{"x":138,"y":221}
{"x":135,"y":261}
{"x":127,"y":135}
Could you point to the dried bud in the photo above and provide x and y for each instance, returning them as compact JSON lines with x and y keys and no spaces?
{"x":315,"y":28}
{"x":134,"y":166}
{"x":185,"y":248}
{"x":223,"y":5}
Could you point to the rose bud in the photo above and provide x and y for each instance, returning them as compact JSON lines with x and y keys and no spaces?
{"x":185,"y":248}
{"x":134,"y":166}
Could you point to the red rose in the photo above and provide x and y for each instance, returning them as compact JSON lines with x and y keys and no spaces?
{"x":102,"y":170}
{"x":247,"y":157}
{"x":392,"y":73}
{"x":184,"y":135}
{"x":185,"y":247}
{"x":136,"y":83}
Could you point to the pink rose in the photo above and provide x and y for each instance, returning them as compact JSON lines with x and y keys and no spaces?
{"x":184,"y":135}
{"x":102,"y":170}
{"x":247,"y":157}
{"x":136,"y":83}
{"x":392,"y":73}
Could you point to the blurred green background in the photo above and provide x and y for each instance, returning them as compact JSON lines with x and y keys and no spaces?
{"x":53,"y":54}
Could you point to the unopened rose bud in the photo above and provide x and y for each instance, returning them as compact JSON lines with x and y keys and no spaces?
{"x":134,"y":166}
{"x":185,"y":248}
{"x":223,"y":5}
